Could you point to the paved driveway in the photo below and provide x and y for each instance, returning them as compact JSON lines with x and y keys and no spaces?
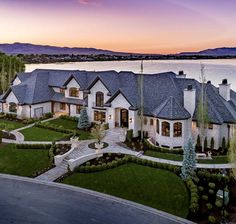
{"x":25,"y":200}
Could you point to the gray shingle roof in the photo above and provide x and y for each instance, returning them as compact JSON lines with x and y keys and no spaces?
{"x":171,"y":110}
{"x":163,"y":92}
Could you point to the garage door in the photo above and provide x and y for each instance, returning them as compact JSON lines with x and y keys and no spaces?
{"x":38,"y":112}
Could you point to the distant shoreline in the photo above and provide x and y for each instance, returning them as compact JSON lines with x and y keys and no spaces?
{"x":49,"y":59}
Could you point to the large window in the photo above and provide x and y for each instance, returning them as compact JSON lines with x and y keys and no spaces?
{"x":73,"y":92}
{"x":177,"y":129}
{"x":100,"y":116}
{"x":165,"y":129}
{"x":12,"y":107}
{"x":158,"y":126}
{"x":99,"y":99}
{"x":151,"y":122}
{"x":145,"y":121}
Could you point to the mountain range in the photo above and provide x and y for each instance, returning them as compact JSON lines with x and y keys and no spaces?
{"x":26,"y":48}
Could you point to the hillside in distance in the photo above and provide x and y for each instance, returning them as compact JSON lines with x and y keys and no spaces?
{"x":26,"y":48}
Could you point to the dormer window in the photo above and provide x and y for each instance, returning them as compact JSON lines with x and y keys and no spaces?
{"x":99,"y":99}
{"x":73,"y":92}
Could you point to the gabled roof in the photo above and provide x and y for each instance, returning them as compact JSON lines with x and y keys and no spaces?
{"x":171,"y":110}
{"x":163,"y":92}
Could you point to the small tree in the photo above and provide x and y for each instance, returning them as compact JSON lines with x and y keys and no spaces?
{"x":83,"y":122}
{"x":212,"y":143}
{"x":198,"y":142}
{"x":189,"y":161}
{"x":232,"y":155}
{"x":98,"y":132}
{"x":205,"y":143}
{"x":223,"y":144}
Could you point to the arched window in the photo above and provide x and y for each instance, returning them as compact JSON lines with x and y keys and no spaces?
{"x":151,"y":122}
{"x":99,"y":99}
{"x":12,"y":107}
{"x":145,"y":121}
{"x":73,"y":92}
{"x":158,"y":126}
{"x":177,"y":129}
{"x":165,"y":128}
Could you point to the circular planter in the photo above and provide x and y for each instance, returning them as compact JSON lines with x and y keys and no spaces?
{"x":92,"y":145}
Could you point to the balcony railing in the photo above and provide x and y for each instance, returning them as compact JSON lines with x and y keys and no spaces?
{"x":98,"y":105}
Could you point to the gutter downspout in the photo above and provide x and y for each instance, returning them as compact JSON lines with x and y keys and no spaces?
{"x":30,"y":110}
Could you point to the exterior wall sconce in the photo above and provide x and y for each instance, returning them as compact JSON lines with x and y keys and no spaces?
{"x":109,"y":117}
{"x":130,"y":120}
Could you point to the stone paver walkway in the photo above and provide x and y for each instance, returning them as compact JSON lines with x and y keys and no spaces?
{"x":52,"y":174}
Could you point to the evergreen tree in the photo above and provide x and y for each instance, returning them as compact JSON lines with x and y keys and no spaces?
{"x":189,"y":161}
{"x":83,"y":122}
{"x":212,"y":143}
{"x":205,"y":143}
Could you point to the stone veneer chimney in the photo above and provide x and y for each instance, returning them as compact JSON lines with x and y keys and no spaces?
{"x":190,"y":99}
{"x":224,"y":89}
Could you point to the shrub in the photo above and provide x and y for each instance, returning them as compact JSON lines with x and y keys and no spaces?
{"x":201,"y":188}
{"x":11,"y":116}
{"x":205,"y":197}
{"x":211,"y":185}
{"x":33,"y":146}
{"x":106,"y":126}
{"x":225,"y":213}
{"x":205,"y":143}
{"x":209,"y":206}
{"x":212,"y":143}
{"x":223,"y":143}
{"x":66,"y":117}
{"x":48,"y":115}
{"x":211,"y":219}
{"x":211,"y":191}
{"x":219,"y":203}
{"x":129,"y":135}
{"x":198,"y":145}
{"x":194,"y":206}
{"x":152,"y":147}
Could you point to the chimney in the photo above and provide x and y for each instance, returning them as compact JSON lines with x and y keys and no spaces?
{"x":190,"y":99}
{"x":181,"y":75}
{"x":224,"y":89}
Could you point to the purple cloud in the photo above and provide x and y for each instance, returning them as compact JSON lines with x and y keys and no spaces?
{"x":91,"y":2}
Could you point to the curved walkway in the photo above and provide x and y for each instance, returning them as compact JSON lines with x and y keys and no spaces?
{"x":52,"y":203}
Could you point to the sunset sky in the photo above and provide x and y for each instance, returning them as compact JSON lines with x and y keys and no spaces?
{"x":145,"y":26}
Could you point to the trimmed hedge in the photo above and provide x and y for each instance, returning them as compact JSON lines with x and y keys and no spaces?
{"x":129,"y":135}
{"x":53,"y":127}
{"x":66,"y":117}
{"x":194,"y":197}
{"x":214,"y":177}
{"x":115,"y":163}
{"x":160,"y":149}
{"x":10,"y":116}
{"x":33,"y":146}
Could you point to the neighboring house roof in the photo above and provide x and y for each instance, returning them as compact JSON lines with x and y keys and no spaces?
{"x":163,"y":92}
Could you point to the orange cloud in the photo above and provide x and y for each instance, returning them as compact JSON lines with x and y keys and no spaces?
{"x":90,"y":2}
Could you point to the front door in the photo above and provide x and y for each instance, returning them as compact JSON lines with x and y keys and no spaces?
{"x":124,"y":118}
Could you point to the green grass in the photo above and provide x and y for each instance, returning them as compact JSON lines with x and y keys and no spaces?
{"x":22,"y":162}
{"x":161,"y":155}
{"x":215,"y":160}
{"x":175,"y":157}
{"x":67,"y":124}
{"x":71,"y":125}
{"x":157,"y":188}
{"x":12,"y":124}
{"x":41,"y":134}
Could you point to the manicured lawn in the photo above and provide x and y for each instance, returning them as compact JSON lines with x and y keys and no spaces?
{"x":71,"y":125}
{"x":22,"y":162}
{"x":67,"y":124}
{"x":149,"y":186}
{"x":41,"y":134}
{"x":161,"y":155}
{"x":215,"y":160}
{"x":12,"y":124}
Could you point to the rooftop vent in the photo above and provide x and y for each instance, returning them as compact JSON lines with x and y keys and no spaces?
{"x":209,"y":82}
{"x":190,"y":87}
{"x":181,"y":72}
{"x":225,"y":82}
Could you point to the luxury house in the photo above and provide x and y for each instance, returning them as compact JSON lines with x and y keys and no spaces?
{"x":170,"y":102}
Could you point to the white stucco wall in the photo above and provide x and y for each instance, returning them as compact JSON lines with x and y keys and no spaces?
{"x":73,"y":111}
{"x":74,"y":84}
{"x":98,"y":87}
{"x":172,"y":141}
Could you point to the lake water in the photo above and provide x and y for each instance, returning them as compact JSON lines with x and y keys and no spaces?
{"x":215,"y":70}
